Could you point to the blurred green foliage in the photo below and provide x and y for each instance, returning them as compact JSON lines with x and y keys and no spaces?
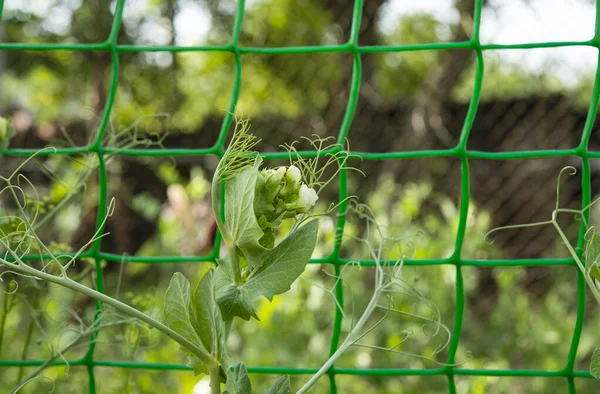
{"x":190,"y":86}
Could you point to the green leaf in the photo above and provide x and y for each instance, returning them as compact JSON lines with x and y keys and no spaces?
{"x":281,"y":386}
{"x":238,"y":381}
{"x":228,"y":295}
{"x":595,"y":271}
{"x":268,"y":239}
{"x":284,"y":264}
{"x":592,"y":254}
{"x":210,"y":328}
{"x":233,"y":301}
{"x":178,"y":318}
{"x":264,"y":196}
{"x":281,"y":267}
{"x":176,"y":310}
{"x":595,"y":364}
{"x":240,"y":218}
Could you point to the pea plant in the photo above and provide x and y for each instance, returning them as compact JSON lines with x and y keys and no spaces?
{"x":586,"y":259}
{"x":262,"y":260}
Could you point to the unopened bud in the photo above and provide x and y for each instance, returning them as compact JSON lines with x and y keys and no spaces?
{"x":277,"y":174}
{"x":293,"y":174}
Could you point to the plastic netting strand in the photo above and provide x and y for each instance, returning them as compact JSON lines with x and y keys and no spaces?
{"x":459,"y":151}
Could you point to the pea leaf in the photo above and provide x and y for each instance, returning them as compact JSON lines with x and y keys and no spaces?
{"x":230,"y":297}
{"x":595,"y":364}
{"x":281,"y":386}
{"x":208,"y":317}
{"x":238,"y":381}
{"x":178,"y":318}
{"x":594,"y":271}
{"x":592,"y":253}
{"x":240,"y":218}
{"x":284,"y":264}
{"x":280,"y":268}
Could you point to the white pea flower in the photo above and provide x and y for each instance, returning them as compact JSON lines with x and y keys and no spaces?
{"x":307,"y":197}
{"x":293,"y":174}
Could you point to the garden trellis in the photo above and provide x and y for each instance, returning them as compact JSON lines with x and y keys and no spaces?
{"x":459,"y":151}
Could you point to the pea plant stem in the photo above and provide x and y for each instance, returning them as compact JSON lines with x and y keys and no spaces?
{"x":214,"y":197}
{"x":215,"y":379}
{"x":233,"y":256}
{"x":578,"y":261}
{"x":20,"y":268}
{"x":352,"y":337}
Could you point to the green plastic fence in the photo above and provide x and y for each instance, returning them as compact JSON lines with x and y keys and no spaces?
{"x":460,"y":151}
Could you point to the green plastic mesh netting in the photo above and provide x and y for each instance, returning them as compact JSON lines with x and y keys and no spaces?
{"x":459,"y":152}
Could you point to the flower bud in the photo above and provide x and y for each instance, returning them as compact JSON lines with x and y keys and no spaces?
{"x":267,"y":173}
{"x":273,"y":175}
{"x":279,"y":173}
{"x":293,"y":174}
{"x":280,"y":193}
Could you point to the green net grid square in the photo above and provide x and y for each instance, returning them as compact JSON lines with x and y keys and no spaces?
{"x":459,"y":151}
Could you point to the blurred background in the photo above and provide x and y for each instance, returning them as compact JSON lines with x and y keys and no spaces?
{"x":534,"y":99}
